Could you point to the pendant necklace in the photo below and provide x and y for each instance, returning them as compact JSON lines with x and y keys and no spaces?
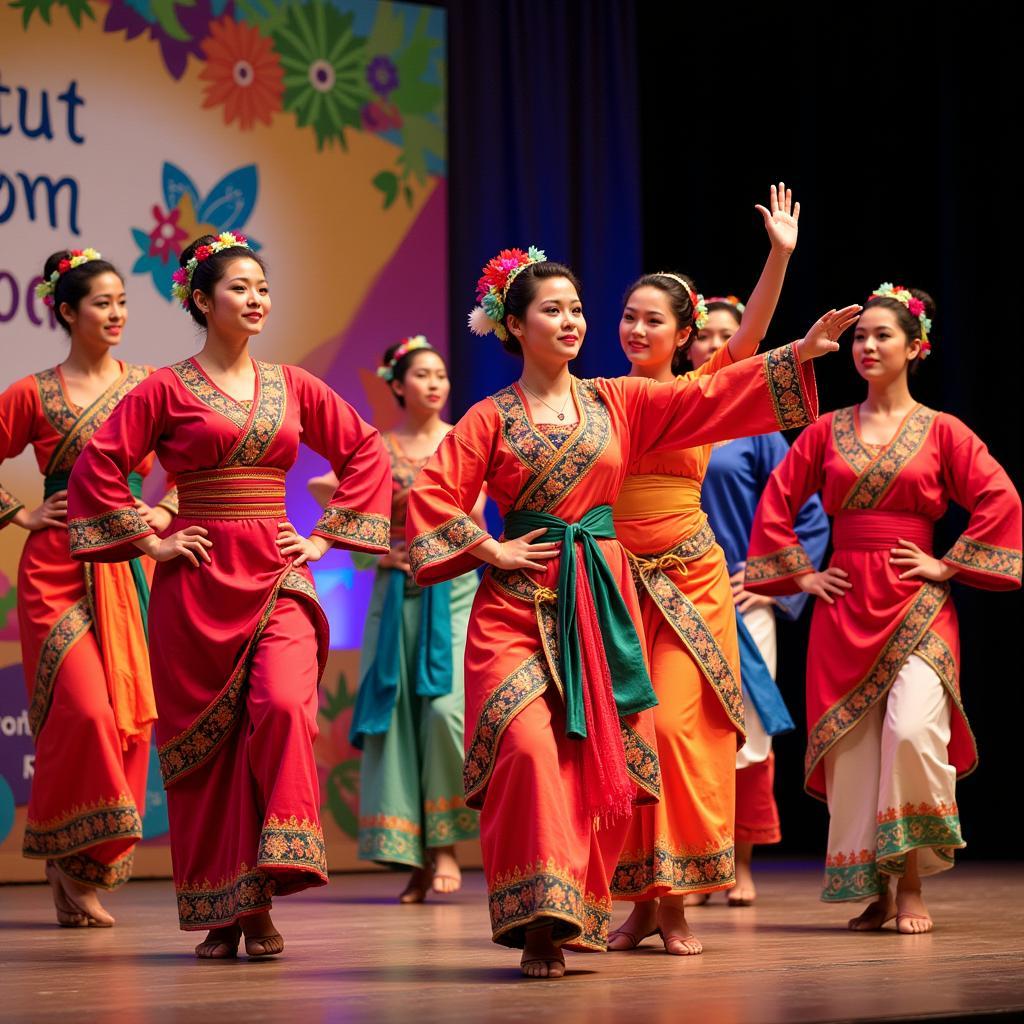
{"x":560,"y":413}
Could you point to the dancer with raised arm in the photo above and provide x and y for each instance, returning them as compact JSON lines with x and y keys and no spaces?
{"x":559,"y":734}
{"x":888,"y":733}
{"x":238,"y":640}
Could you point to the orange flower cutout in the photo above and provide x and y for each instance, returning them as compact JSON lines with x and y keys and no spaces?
{"x":244,"y":73}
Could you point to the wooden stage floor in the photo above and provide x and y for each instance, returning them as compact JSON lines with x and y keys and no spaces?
{"x":355,"y":955}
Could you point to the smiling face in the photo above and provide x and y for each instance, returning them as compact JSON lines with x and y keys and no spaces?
{"x":425,"y":384}
{"x":552,"y":329}
{"x":648,"y":331}
{"x":881,"y":349}
{"x":99,"y":318}
{"x":240,"y":303}
{"x":720,"y":327}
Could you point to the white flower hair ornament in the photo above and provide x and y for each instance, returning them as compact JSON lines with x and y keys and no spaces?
{"x":491,"y":289}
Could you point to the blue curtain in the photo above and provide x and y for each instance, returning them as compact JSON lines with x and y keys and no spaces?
{"x":544,"y":150}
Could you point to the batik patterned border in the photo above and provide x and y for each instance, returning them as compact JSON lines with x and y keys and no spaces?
{"x":851,"y":876}
{"x":783,"y":375}
{"x":878,"y":476}
{"x":291,"y":843}
{"x":529,"y":446}
{"x":72,"y":625}
{"x":265,"y":417}
{"x":82,"y":426}
{"x":673,"y":871}
{"x":206,"y":906}
{"x":391,"y":839}
{"x":524,"y":684}
{"x":449,"y":820}
{"x":82,"y":827}
{"x":689,"y":625}
{"x":195,"y":381}
{"x":847,"y":441}
{"x":54,"y":403}
{"x":9,"y":505}
{"x":851,"y":708}
{"x":170,"y":501}
{"x":986,"y":558}
{"x":368,"y":530}
{"x":547,"y":890}
{"x":642,"y":761}
{"x":82,"y":868}
{"x":106,"y":530}
{"x":450,"y":539}
{"x":790,"y":561}
{"x":912,"y":826}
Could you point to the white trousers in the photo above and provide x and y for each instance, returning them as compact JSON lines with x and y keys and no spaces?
{"x":761,"y":623}
{"x":891,"y":789}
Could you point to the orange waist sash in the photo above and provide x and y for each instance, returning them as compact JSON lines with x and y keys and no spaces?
{"x":237,"y":492}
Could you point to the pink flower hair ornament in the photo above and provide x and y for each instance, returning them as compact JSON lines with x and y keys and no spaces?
{"x":491,"y":289}
{"x":888,"y":290}
{"x":45,"y":289}
{"x":414,"y":344}
{"x":729,"y":300}
{"x":182,"y":277}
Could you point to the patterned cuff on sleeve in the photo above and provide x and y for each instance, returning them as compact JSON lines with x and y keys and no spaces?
{"x":791,"y":387}
{"x":447,"y":540}
{"x":986,"y":558}
{"x":170,"y":501}
{"x":355,"y":529}
{"x":9,"y":506}
{"x":791,"y":561}
{"x":107,"y":530}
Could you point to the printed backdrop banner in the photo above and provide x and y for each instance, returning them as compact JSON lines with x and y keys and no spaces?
{"x":317,"y":128}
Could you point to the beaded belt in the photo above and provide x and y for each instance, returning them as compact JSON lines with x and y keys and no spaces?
{"x":237,"y":492}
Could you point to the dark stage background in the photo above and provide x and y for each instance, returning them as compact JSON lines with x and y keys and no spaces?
{"x":624,"y":137}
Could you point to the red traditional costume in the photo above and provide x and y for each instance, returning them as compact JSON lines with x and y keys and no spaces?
{"x":883,"y":693}
{"x":548,"y":856}
{"x":237,"y":646}
{"x":83,"y":641}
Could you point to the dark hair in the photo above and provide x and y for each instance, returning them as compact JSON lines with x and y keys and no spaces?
{"x":73,"y":285}
{"x":680,"y":303}
{"x":404,"y":365}
{"x":522,"y":291}
{"x":908,"y":323}
{"x":729,"y":307}
{"x":209,"y":271}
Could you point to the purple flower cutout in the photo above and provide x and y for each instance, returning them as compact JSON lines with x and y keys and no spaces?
{"x":193,"y":18}
{"x":382,"y":75}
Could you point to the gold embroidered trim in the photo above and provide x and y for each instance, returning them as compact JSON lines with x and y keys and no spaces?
{"x":784,"y":379}
{"x":449,"y":539}
{"x":365,"y":529}
{"x":72,"y":625}
{"x":987,"y":558}
{"x":107,"y":530}
{"x":791,"y":561}
{"x":82,"y":827}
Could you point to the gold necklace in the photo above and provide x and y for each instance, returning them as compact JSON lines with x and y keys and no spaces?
{"x":560,"y":413}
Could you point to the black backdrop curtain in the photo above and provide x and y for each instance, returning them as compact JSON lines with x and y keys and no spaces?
{"x":626,"y":136}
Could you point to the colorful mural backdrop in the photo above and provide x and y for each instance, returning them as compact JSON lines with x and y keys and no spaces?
{"x":317,"y":127}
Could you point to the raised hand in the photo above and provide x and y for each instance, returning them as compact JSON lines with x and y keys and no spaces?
{"x":915,"y":563}
{"x":828,"y":584}
{"x":191,"y":543}
{"x":52,"y":512}
{"x":304,"y":549}
{"x":823,"y":337}
{"x":781,"y":220}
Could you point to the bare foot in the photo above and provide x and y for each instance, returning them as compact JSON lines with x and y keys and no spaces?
{"x":220,"y":943}
{"x":261,"y":937}
{"x":541,"y":957}
{"x":674,"y":929}
{"x":875,"y":915}
{"x":68,"y":915}
{"x":696,"y":899}
{"x":912,"y":917}
{"x":640,"y":924}
{"x":419,"y":885}
{"x":85,"y":900}
{"x":744,"y":892}
{"x":447,"y":876}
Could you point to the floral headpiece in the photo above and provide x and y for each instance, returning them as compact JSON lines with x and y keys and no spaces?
{"x":887,"y":290}
{"x":45,"y":289}
{"x":182,"y":277}
{"x":493,"y":286}
{"x":700,"y":307}
{"x":729,"y":300}
{"x":413,"y":344}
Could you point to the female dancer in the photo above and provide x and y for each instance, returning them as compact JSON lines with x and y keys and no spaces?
{"x":409,"y":712}
{"x":888,"y":733}
{"x":684,"y":844}
{"x":737,"y":472}
{"x":559,"y":743}
{"x":238,"y":641}
{"x":83,"y":628}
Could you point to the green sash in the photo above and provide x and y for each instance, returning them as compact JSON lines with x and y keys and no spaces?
{"x":631,"y":685}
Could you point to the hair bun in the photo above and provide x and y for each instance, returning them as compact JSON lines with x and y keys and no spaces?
{"x":52,"y":262}
{"x":189,"y":251}
{"x":929,"y":302}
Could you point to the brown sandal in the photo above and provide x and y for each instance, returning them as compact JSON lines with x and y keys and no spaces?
{"x":634,"y":939}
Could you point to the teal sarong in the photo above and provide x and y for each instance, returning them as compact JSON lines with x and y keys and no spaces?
{"x":631,"y":684}
{"x":378,"y":689}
